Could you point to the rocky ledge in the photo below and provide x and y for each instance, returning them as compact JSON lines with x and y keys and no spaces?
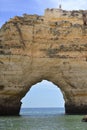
{"x":35,"y":48}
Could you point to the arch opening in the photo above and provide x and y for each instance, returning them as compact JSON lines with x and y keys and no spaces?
{"x":44,"y":94}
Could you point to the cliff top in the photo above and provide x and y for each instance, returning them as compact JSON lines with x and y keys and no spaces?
{"x":57,"y":25}
{"x":53,"y":14}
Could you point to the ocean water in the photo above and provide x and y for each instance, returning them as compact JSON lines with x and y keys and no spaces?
{"x":43,"y":119}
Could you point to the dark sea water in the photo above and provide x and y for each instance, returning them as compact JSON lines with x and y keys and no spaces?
{"x":43,"y":119}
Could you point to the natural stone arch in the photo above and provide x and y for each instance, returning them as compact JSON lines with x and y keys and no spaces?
{"x":44,"y":90}
{"x":33,"y":48}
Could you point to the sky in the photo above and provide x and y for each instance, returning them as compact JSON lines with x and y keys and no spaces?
{"x":44,"y":94}
{"x":11,"y":8}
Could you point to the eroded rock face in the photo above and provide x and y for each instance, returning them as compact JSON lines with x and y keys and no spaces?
{"x":33,"y":48}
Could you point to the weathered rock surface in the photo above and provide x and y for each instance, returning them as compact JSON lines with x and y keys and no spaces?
{"x":33,"y":48}
{"x":84,"y":119}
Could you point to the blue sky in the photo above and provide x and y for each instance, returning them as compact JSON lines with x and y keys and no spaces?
{"x":44,"y":94}
{"x":11,"y":8}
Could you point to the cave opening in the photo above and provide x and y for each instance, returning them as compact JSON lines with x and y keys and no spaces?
{"x":44,"y":94}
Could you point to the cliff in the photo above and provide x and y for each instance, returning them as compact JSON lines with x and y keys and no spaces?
{"x":51,"y":47}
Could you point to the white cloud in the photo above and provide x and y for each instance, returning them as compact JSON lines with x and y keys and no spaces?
{"x":79,"y":4}
{"x":70,"y":4}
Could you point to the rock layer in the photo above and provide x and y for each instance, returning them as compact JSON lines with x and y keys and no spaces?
{"x":35,"y":48}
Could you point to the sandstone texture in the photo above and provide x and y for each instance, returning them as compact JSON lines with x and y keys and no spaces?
{"x":52,"y":47}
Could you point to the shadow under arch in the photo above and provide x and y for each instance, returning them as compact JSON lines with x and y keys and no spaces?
{"x":43,"y":94}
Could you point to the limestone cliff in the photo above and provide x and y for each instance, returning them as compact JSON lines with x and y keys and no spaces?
{"x":50,"y":47}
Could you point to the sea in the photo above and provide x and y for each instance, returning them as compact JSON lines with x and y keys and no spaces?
{"x":42,"y":119}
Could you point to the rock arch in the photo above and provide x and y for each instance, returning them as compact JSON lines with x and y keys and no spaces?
{"x":33,"y":48}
